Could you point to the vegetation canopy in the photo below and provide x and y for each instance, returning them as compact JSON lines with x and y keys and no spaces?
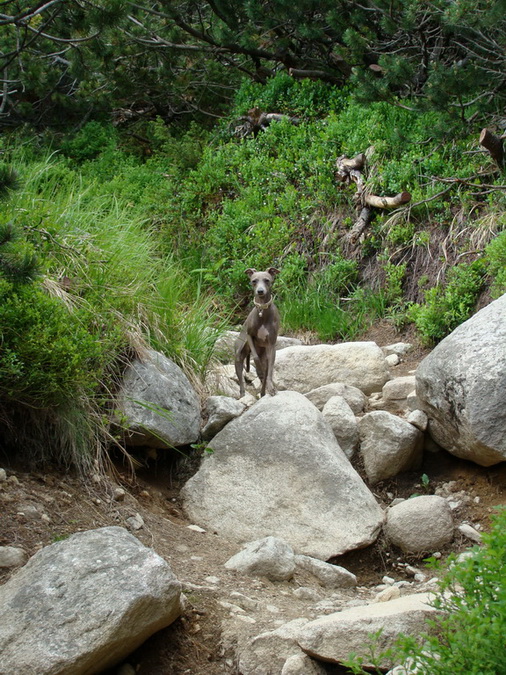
{"x":151,"y":153}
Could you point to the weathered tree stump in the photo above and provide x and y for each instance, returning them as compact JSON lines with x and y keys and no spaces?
{"x":494,"y":145}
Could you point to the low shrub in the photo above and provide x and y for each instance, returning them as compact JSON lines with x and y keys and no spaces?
{"x":446,"y":307}
{"x":469,"y":638}
{"x":495,"y":257}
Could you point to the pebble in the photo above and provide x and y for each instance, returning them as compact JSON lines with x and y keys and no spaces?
{"x":389,"y":593}
{"x":135,"y":522}
{"x":306,"y":593}
{"x":3,"y":475}
{"x":212,"y":580}
{"x":11,"y":556}
{"x":119,"y":494}
{"x":196,"y":528}
{"x":470,"y":532}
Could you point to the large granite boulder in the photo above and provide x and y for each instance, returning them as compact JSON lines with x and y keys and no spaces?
{"x":420,"y":524}
{"x":303,"y":368}
{"x":83,"y":604}
{"x":388,"y":445}
{"x":158,"y":404}
{"x":278,"y":470}
{"x":461,"y":385}
{"x":334,"y":637}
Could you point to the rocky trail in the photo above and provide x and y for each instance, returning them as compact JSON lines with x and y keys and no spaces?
{"x":224,"y":609}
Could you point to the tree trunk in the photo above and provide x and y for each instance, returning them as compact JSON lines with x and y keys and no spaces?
{"x":494,"y":145}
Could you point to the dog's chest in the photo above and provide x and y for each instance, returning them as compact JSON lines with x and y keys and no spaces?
{"x":263,"y":334}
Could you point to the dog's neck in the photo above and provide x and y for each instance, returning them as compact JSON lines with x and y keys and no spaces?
{"x":262,"y":305}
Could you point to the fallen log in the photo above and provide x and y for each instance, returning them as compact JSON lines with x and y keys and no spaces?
{"x":494,"y":145}
{"x":387,"y":202}
{"x":350,"y":170}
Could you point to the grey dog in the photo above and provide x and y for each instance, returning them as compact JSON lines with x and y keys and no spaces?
{"x":259,"y":332}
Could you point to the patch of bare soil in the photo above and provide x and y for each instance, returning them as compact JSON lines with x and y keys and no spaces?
{"x":39,"y":508}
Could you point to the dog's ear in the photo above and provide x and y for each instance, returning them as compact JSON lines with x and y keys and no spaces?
{"x":250,"y":272}
{"x":273,"y":271}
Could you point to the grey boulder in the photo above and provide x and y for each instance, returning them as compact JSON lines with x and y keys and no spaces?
{"x":278,"y":470}
{"x":420,"y":524}
{"x":461,"y":386}
{"x":158,"y":404}
{"x":270,"y":557}
{"x":83,"y":604}
{"x":388,"y":445}
{"x":303,"y":368}
{"x":332,"y":638}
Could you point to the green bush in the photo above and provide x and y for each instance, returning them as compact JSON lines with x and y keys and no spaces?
{"x":469,"y":638}
{"x":90,"y":141}
{"x":448,"y":306}
{"x":495,"y":256}
{"x":284,"y":94}
{"x":48,"y":353}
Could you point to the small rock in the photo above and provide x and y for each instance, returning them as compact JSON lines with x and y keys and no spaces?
{"x":270,"y":557}
{"x":212,"y":580}
{"x":412,"y":571}
{"x":235,"y":609}
{"x":307,"y":593}
{"x":272,"y":609}
{"x":135,"y":522}
{"x":418,"y":419}
{"x":11,"y":556}
{"x":399,"y":348}
{"x":196,"y":528}
{"x":13,"y":480}
{"x":3,"y":475}
{"x":388,"y":581}
{"x":29,"y":511}
{"x":397,"y":500}
{"x":470,"y":532}
{"x":392,"y":360}
{"x":302,"y":664}
{"x":331,"y":576}
{"x":243,"y":601}
{"x":389,"y":593}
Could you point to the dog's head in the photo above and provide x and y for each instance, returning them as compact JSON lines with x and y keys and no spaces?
{"x":262,"y":281}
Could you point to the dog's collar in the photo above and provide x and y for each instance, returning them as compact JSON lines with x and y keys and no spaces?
{"x":262,"y":305}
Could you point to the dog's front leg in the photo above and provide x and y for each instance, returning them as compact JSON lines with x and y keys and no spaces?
{"x":252,"y":348}
{"x":270,"y":358}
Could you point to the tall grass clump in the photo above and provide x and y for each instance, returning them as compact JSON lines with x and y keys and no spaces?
{"x":469,"y":635}
{"x":103,"y":289}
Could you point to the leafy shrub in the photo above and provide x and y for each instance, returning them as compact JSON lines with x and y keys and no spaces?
{"x":18,"y":261}
{"x":90,"y":141}
{"x":48,"y":352}
{"x":284,"y":94}
{"x":469,"y":638}
{"x":496,"y":263}
{"x":446,"y":307}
